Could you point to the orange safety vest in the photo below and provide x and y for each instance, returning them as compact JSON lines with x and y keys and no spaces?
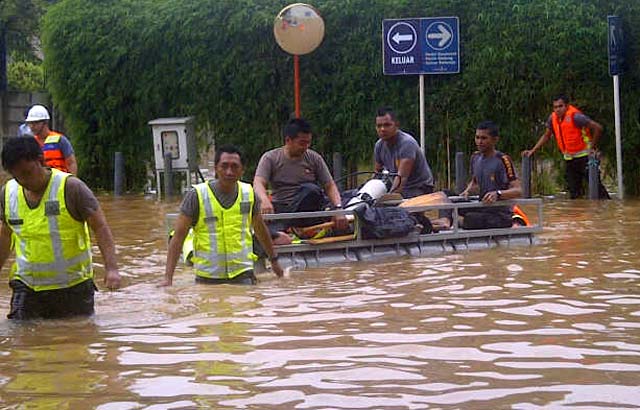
{"x":573,"y":142}
{"x":53,"y":156}
{"x":519,"y":217}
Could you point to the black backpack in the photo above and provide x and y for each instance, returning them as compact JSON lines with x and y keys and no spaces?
{"x":384,"y":222}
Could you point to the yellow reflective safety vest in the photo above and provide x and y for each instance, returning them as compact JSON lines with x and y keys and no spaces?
{"x":53,"y":250}
{"x":222,"y":241}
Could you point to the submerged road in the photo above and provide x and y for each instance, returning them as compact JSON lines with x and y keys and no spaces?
{"x":554,"y":325}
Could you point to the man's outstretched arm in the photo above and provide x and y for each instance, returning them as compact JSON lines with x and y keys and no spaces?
{"x":180,"y":231}
{"x":98,"y":224}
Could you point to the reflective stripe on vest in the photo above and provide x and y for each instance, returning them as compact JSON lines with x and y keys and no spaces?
{"x":573,"y":142}
{"x":223,"y":248}
{"x":53,"y":155}
{"x":53,"y":250}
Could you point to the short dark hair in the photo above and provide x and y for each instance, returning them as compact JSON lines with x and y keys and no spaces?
{"x":489,"y":126}
{"x":296,"y":126}
{"x":17,"y":149}
{"x":229,"y":149}
{"x":382,"y":111}
{"x":562,"y":97}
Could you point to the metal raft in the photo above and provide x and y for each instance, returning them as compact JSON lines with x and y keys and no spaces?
{"x":303,"y":255}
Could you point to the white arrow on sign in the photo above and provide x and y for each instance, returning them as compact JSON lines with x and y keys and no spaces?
{"x":444,"y":35}
{"x":398,"y":38}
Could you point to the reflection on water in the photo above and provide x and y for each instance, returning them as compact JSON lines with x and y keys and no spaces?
{"x":549,"y":326}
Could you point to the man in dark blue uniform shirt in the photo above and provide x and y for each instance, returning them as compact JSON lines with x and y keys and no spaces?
{"x":494,"y":178}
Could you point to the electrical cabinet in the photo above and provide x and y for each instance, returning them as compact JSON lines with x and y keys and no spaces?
{"x":177,"y":137}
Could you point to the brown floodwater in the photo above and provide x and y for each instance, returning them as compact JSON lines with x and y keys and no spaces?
{"x":550,"y":326}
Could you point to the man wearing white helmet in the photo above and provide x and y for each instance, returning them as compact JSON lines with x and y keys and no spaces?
{"x":58,"y":152}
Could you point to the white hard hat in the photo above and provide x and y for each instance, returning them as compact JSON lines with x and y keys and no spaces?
{"x":37,"y":113}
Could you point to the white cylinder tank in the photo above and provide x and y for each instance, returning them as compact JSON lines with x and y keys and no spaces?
{"x":373,"y":189}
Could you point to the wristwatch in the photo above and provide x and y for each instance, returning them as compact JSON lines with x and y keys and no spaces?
{"x":499,"y":193}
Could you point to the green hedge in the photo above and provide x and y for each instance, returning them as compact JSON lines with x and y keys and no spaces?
{"x":26,"y":76}
{"x":114,"y":65}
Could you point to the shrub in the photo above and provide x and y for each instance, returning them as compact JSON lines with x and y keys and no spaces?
{"x":114,"y":65}
{"x":25,"y":76}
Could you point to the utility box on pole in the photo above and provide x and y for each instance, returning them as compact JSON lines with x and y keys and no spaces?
{"x":175,"y":136}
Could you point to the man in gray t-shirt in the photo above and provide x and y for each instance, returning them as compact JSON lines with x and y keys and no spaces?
{"x":297,"y":175}
{"x":494,"y":178}
{"x":286,"y":174}
{"x":398,"y":152}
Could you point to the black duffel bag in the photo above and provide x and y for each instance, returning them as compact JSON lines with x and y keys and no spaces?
{"x":384,"y":222}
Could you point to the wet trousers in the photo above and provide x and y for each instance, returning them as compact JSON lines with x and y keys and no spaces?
{"x":577,"y":178}
{"x":245,"y":278}
{"x":27,"y":304}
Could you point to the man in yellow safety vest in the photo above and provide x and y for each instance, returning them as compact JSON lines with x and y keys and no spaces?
{"x":222,"y":212}
{"x":46,"y":214}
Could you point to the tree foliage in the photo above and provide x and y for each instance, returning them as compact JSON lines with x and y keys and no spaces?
{"x":113,"y":65}
{"x":24,"y":75}
{"x":21,"y":20}
{"x":20,"y":24}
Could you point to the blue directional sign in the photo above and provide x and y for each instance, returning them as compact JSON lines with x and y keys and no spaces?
{"x":441,"y":45}
{"x":400,"y":44}
{"x":616,"y":46}
{"x":421,"y":46}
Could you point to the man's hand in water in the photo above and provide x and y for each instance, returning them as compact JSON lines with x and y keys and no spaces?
{"x":277,"y":269}
{"x":112,"y":279}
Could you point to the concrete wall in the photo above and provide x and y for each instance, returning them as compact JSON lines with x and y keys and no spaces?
{"x":12,"y":108}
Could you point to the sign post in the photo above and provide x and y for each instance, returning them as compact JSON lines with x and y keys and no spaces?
{"x":421,"y":46}
{"x":616,"y":46}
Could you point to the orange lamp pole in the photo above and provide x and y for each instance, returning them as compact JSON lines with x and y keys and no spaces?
{"x":296,"y":83}
{"x":298,"y":30}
